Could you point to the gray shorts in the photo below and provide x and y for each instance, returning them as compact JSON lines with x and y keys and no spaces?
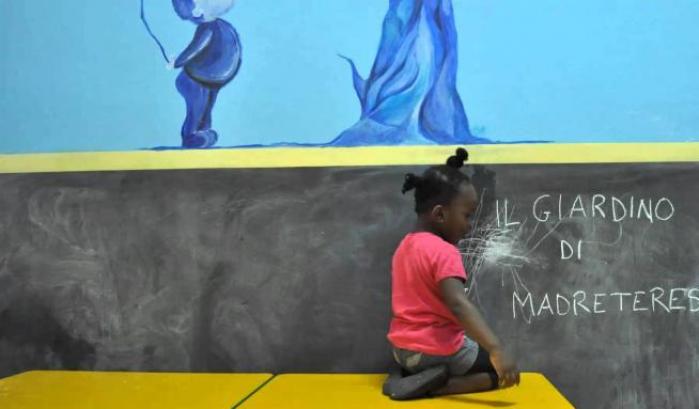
{"x":458,"y":363}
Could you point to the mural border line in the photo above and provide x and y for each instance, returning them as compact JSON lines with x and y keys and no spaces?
{"x":293,"y":157}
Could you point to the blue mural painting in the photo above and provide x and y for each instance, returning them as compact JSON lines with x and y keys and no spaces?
{"x":410,"y":96}
{"x":86,"y":76}
{"x":210,"y":61}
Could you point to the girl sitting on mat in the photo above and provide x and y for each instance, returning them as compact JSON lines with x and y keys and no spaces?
{"x":439,"y":338}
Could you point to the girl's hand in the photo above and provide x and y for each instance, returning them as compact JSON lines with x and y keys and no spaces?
{"x":506,"y":367}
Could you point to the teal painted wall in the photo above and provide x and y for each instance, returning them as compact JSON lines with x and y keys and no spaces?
{"x":85,"y":76}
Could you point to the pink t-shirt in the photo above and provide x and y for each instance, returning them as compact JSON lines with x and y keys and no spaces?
{"x":421,"y":321}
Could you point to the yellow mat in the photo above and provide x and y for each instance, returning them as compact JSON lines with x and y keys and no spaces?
{"x":122,"y":390}
{"x":364,"y":391}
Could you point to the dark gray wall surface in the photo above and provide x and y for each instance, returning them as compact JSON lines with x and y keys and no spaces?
{"x":288,"y":270}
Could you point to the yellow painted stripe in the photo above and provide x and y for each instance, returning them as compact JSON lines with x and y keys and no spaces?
{"x":360,"y":156}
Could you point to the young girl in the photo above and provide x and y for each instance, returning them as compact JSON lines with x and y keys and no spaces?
{"x":439,"y":338}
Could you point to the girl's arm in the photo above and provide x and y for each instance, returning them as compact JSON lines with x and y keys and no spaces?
{"x":454,"y":296}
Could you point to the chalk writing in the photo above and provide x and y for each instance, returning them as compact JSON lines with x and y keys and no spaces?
{"x":656,"y":300}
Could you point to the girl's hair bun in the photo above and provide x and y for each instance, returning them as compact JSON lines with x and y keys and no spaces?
{"x":411,"y":182}
{"x":457,"y":161}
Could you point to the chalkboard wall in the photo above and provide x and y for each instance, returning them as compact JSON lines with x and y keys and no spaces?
{"x":589,"y":272}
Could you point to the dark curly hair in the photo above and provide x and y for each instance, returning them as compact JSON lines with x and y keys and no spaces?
{"x":439,"y":184}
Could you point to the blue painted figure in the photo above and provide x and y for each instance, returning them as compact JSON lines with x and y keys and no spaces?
{"x":209,"y":62}
{"x":410,"y":96}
